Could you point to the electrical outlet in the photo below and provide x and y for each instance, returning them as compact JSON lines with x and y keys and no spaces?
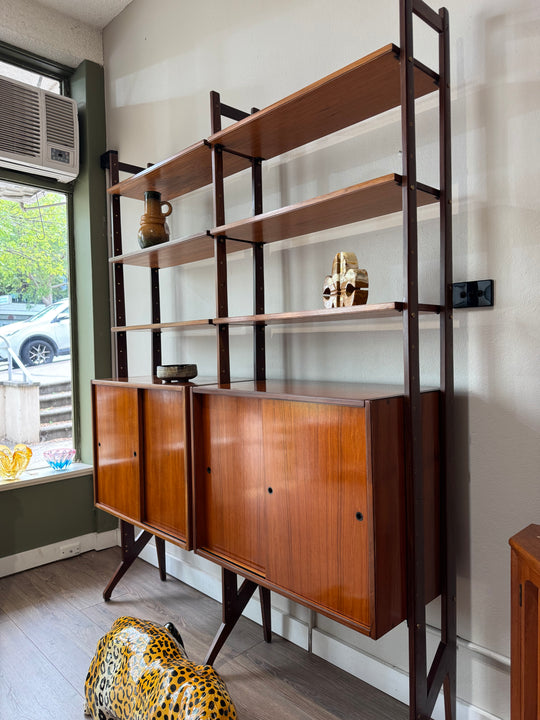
{"x":475,"y":293}
{"x":70,"y":549}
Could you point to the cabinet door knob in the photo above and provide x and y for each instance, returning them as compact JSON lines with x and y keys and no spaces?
{"x":270,"y":490}
{"x":359,"y":516}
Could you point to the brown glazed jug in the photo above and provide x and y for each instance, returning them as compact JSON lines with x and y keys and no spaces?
{"x":154,"y":228}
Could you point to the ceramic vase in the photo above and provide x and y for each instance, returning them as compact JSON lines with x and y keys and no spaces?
{"x":154,"y":229}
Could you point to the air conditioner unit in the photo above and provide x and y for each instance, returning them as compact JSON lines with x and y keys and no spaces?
{"x":39,"y":132}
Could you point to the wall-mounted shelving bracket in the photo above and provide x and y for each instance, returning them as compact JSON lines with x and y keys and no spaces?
{"x":473,"y":294}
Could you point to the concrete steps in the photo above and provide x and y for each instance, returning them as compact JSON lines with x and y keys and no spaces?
{"x":55,"y":411}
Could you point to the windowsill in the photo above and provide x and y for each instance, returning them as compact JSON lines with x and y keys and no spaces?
{"x":45,"y":475}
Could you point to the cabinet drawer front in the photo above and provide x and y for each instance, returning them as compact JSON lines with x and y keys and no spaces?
{"x":317,"y":511}
{"x":229,"y":520}
{"x":165,"y":500}
{"x":117,"y":450}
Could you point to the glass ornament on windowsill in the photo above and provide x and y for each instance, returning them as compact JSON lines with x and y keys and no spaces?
{"x":14,"y":462}
{"x":59,"y":458}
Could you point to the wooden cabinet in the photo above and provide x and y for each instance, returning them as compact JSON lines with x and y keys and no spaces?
{"x":306,"y":494}
{"x":525,"y":588}
{"x":142,"y":459}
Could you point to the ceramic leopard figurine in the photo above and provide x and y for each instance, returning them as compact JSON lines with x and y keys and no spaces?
{"x":141,"y":672}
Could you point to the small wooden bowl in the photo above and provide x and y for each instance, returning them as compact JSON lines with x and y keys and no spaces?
{"x":176,"y":373}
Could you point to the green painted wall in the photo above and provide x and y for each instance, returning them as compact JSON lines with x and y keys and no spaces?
{"x":90,"y":262}
{"x":44,"y":514}
{"x":32,"y":517}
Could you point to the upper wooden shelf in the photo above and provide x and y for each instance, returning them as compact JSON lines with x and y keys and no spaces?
{"x":358,"y":91}
{"x":189,"y":170}
{"x":370,"y":199}
{"x":175,"y":252}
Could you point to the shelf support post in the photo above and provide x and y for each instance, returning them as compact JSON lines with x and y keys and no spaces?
{"x":156,"y":314}
{"x":156,"y":318}
{"x":424,"y":688}
{"x":259,"y":334}
{"x":448,"y":566}
{"x":118,"y":271}
{"x":220,"y":243}
{"x":412,"y":409}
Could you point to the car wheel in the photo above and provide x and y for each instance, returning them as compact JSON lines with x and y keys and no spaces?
{"x":37,"y":352}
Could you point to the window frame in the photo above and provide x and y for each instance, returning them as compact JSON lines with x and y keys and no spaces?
{"x":62,"y":73}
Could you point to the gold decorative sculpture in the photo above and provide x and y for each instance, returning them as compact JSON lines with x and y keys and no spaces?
{"x":12,"y":464}
{"x":347,"y":285}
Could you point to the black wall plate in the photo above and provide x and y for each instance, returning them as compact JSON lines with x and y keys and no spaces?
{"x":475,"y":293}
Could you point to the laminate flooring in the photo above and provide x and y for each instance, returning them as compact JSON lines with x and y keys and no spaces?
{"x":52,"y":617}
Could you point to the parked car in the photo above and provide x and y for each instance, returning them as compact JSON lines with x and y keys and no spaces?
{"x":40,"y":338}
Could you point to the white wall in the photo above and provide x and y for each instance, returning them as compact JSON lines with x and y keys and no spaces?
{"x":160,"y":64}
{"x":38,"y":29}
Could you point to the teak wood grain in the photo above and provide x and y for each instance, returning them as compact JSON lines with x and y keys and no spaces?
{"x":354,"y":312}
{"x":354,"y":93}
{"x":142,"y":471}
{"x":362,"y":201}
{"x":360,"y":90}
{"x":325,"y":483}
{"x":175,"y":252}
{"x":182,"y":173}
{"x":166,"y":461}
{"x":315,"y":464}
{"x":117,"y":450}
{"x":229,"y":520}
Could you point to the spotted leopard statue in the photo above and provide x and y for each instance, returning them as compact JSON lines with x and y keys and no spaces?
{"x":141,"y":672}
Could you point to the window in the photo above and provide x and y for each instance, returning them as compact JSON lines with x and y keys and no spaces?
{"x":34,"y":301}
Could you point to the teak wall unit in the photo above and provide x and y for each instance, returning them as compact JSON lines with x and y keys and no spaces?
{"x":382,"y":471}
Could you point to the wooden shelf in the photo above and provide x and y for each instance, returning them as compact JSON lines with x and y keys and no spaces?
{"x":370,"y":199}
{"x":336,"y":392}
{"x":178,"y":325}
{"x":175,"y":252}
{"x":358,"y":312}
{"x":151,"y":381}
{"x":189,"y":170}
{"x":356,"y":92}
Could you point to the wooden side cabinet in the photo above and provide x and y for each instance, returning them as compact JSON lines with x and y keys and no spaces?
{"x":141,"y":455}
{"x":525,"y":678}
{"x":305,"y":495}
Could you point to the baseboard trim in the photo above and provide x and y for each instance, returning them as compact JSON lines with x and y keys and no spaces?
{"x":57,"y":551}
{"x":384,"y":677}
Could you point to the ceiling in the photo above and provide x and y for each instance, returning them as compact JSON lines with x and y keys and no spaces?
{"x":96,"y":13}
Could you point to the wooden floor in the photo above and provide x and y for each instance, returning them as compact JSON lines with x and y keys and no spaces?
{"x":52,"y":617}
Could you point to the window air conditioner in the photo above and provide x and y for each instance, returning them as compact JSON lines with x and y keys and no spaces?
{"x":38,"y":131}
